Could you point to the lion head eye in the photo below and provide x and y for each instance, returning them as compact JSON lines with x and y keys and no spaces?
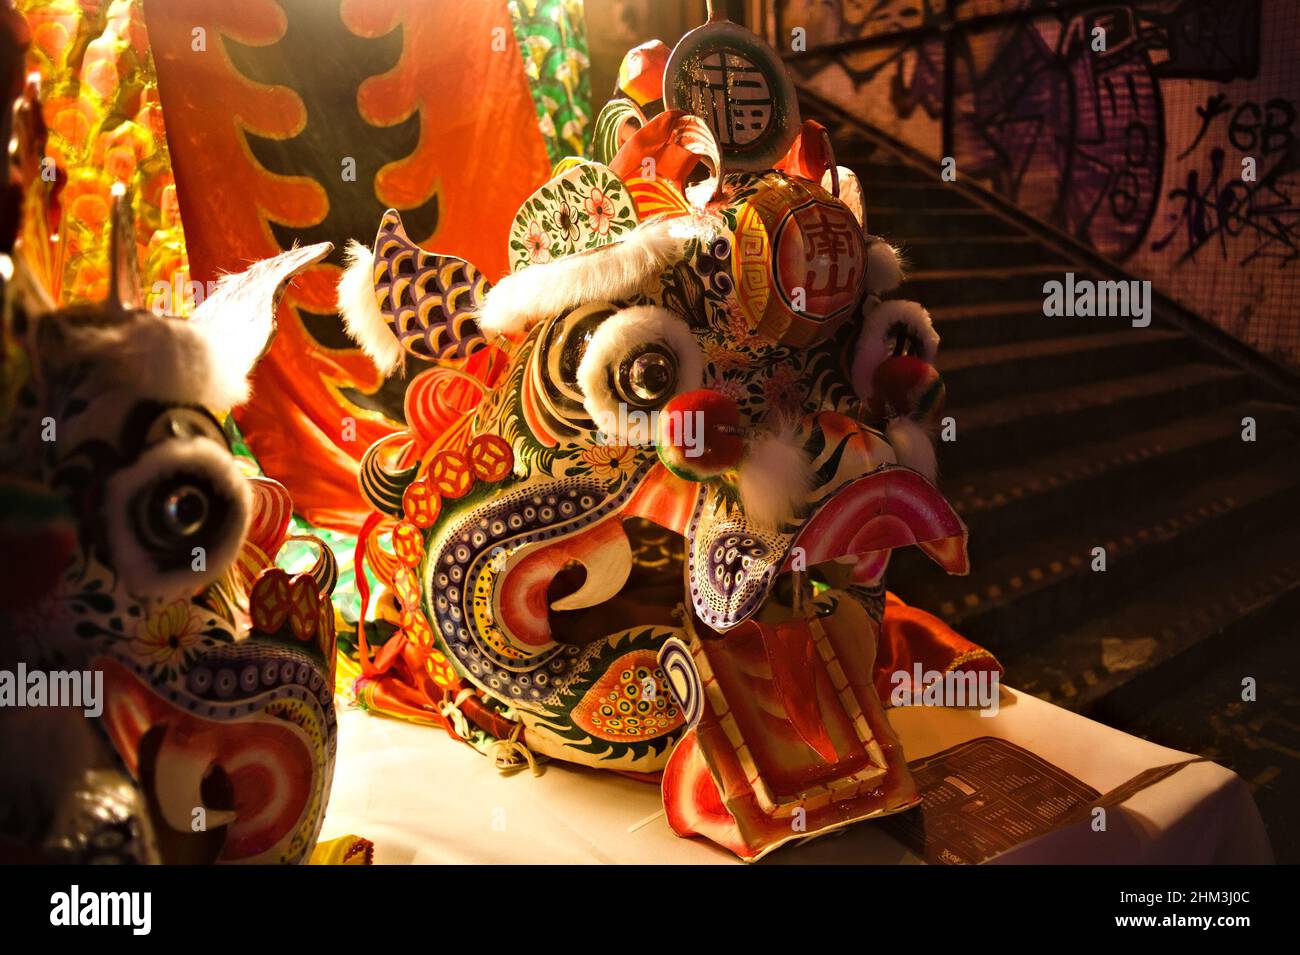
{"x":637,"y":359}
{"x":176,"y":510}
{"x":180,"y":498}
{"x":647,"y":377}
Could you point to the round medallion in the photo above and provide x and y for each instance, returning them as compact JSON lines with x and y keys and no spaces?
{"x":800,"y":260}
{"x":736,"y":83}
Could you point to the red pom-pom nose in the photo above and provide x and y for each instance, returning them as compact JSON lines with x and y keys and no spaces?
{"x":700,"y":434}
{"x":908,"y":386}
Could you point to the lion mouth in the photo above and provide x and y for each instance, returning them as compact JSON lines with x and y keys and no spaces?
{"x":225,"y":752}
{"x":651,"y":592}
{"x":653,"y":595}
{"x":632,"y":570}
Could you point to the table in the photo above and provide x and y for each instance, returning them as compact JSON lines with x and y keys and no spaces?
{"x":421,"y":797}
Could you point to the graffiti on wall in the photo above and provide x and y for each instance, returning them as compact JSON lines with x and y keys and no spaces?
{"x":1170,"y":146}
{"x":1215,"y":203}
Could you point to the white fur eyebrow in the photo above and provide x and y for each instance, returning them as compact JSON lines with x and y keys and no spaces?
{"x":611,"y":273}
{"x":616,"y":336}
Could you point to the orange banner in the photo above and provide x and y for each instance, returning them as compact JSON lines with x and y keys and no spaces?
{"x":302,"y":121}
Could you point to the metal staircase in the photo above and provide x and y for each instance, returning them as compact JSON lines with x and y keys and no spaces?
{"x":1078,"y":433}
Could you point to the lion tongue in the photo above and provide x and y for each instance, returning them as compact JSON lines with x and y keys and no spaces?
{"x":789,"y":648}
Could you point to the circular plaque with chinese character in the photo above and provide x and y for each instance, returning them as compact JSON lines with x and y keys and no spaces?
{"x":736,"y":83}
{"x":800,"y":260}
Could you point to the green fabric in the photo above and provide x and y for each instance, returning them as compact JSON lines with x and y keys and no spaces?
{"x":552,"y":39}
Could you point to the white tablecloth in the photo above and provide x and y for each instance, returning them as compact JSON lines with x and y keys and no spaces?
{"x":420,"y":797}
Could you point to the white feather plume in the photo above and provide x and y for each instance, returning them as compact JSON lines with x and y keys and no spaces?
{"x":776,"y":478}
{"x":873,"y":342}
{"x":360,"y":310}
{"x":884,"y":267}
{"x":913,"y":447}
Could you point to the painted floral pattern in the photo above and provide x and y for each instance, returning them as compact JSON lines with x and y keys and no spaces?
{"x":581,"y":209}
{"x":566,"y":221}
{"x":784,"y":390}
{"x":165,"y":638}
{"x":608,"y":462}
{"x":599,"y":210}
{"x":537,"y":242}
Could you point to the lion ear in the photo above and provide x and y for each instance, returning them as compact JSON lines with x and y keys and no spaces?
{"x":396,"y":299}
{"x":237,"y":321}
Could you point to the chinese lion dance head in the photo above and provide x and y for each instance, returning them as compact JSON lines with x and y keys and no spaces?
{"x":138,"y":568}
{"x":652,"y":477}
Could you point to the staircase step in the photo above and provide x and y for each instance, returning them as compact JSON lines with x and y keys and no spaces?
{"x":966,"y":286}
{"x":996,"y":323}
{"x":1193,"y":702}
{"x":900,"y":191}
{"x":948,"y":252}
{"x":1005,"y":502}
{"x":898,"y":224}
{"x":1012,"y":428}
{"x":1113,"y":667}
{"x":1014,"y":593}
{"x":1020,"y":367}
{"x":875,"y":173}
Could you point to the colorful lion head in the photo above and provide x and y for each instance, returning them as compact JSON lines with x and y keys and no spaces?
{"x":168,"y":689}
{"x":652,"y":477}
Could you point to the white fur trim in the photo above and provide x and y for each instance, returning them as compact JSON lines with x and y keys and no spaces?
{"x":850,"y":192}
{"x":913,"y":447}
{"x":884,"y":267}
{"x":614,"y":338}
{"x":873,"y":343}
{"x":362,"y":319}
{"x":238,"y":320}
{"x":611,"y":273}
{"x":167,"y":359}
{"x":139,"y":572}
{"x":776,"y":478}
